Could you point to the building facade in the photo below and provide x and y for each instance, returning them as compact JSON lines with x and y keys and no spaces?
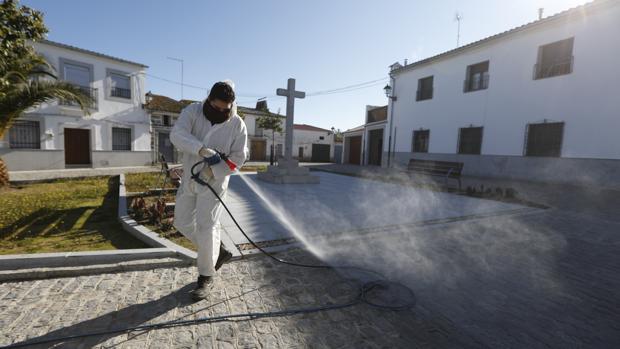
{"x":538,"y":102}
{"x":364,"y":145}
{"x":163,"y":112}
{"x":313,"y":144}
{"x":60,"y":135}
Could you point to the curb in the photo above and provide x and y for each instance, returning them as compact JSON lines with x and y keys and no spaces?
{"x":56,"y":272}
{"x":76,"y":259}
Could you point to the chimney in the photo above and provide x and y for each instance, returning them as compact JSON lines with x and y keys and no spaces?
{"x":405,"y":61}
{"x":540,"y":13}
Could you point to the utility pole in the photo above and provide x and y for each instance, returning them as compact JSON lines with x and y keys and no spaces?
{"x":179,"y":60}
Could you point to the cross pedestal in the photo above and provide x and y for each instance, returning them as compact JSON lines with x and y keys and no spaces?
{"x":288,"y":170}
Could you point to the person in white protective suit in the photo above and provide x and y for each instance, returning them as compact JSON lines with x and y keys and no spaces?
{"x":203,"y":130}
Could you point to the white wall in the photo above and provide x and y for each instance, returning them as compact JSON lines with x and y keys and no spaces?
{"x":305,"y":139}
{"x":587,"y":100}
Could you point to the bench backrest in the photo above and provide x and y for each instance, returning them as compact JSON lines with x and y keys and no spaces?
{"x":434,"y":167}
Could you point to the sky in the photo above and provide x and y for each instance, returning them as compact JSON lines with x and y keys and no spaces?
{"x":323,"y":44}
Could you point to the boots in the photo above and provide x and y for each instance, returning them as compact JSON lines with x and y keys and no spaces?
{"x":203,"y":286}
{"x":224,"y":257}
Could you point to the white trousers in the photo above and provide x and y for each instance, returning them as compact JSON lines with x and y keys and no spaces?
{"x":196,"y":216}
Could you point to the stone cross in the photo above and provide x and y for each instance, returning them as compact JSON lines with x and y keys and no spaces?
{"x":290,"y":95}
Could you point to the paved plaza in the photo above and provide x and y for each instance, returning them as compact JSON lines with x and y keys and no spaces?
{"x":340,"y":204}
{"x":495,"y":277}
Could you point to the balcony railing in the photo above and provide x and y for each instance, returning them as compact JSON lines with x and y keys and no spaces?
{"x":560,"y":67}
{"x":424,"y":94}
{"x":120,"y":92}
{"x":92,"y":92}
{"x":471,"y":84}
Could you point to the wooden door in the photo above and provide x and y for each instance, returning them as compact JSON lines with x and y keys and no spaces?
{"x":355,"y":149}
{"x":77,"y":146}
{"x":258,"y":150}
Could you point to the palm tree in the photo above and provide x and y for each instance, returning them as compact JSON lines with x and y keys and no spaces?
{"x":28,"y":83}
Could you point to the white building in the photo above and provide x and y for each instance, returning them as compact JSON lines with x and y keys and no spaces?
{"x":311,"y":143}
{"x":58,"y":135}
{"x":164,"y":112}
{"x":363,"y":145}
{"x":538,"y":102}
{"x":261,"y":142}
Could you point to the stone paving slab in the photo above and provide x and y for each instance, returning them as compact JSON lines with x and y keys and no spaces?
{"x":339,"y":203}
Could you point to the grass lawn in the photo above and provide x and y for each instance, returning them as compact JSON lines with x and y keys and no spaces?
{"x":62,"y":216}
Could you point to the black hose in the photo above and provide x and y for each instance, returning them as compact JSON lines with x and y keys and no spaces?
{"x":362,"y":296}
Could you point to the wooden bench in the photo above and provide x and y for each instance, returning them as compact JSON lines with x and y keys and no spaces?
{"x":443,"y":169}
{"x":173,"y":174}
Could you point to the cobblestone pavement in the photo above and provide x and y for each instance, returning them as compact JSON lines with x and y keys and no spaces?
{"x":546,"y":279}
{"x":39,"y":310}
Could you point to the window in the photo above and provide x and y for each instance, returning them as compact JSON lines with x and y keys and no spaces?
{"x":279,"y":151}
{"x":477,"y":77}
{"x":420,"y":141}
{"x":120,"y":85}
{"x":544,"y":139}
{"x":554,"y":59}
{"x":166,"y":120}
{"x":156,"y":120}
{"x":470,"y":140}
{"x":425,"y":89}
{"x":80,"y":75}
{"x":25,"y":135}
{"x":77,"y":74}
{"x":121,"y":138}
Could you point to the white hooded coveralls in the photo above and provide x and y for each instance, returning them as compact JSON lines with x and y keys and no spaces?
{"x":197,"y":210}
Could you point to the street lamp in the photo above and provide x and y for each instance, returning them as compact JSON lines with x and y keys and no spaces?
{"x":388,"y":92}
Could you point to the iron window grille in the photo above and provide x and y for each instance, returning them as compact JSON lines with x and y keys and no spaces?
{"x":544,"y":139}
{"x":25,"y":134}
{"x":121,"y":138}
{"x":554,"y":59}
{"x":120,"y":92}
{"x":421,"y":139}
{"x":470,"y":140}
{"x":120,"y":86}
{"x":89,"y":91}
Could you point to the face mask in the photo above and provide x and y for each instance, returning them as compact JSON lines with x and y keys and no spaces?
{"x":214,"y":115}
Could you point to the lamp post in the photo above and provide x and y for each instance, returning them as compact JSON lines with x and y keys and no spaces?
{"x":391,"y":99}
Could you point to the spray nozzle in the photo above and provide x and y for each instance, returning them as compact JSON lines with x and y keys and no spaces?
{"x":230,"y":163}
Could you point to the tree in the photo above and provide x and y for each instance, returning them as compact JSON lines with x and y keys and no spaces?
{"x":273,"y":122}
{"x":26,"y":79}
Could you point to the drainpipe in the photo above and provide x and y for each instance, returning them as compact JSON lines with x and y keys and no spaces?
{"x":391,"y":100}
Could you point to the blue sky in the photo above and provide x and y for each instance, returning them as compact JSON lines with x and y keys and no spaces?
{"x":260,"y":44}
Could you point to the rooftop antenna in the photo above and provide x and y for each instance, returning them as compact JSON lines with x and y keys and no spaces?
{"x":458,"y":18}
